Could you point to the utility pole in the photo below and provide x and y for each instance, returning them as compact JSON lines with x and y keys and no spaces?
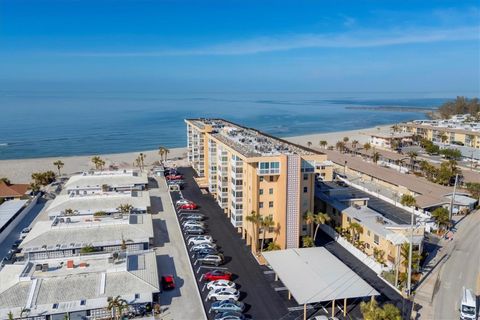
{"x":453,"y":197}
{"x":410,"y":253}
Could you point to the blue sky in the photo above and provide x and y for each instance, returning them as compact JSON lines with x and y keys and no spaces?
{"x":365,"y":46}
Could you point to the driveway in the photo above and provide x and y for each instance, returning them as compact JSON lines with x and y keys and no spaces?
{"x":262,"y":301}
{"x":184,"y":301}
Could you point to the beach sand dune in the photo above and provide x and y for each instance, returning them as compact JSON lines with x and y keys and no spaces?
{"x":20,"y":170}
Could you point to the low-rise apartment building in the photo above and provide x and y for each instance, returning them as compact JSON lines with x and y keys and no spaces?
{"x":445,"y":131}
{"x":381,"y":233}
{"x":69,"y":236}
{"x":391,"y":140}
{"x":78,"y":287}
{"x":106,"y":202}
{"x":94,"y":182}
{"x":249,"y":171}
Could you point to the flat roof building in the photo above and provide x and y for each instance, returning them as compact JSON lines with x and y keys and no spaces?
{"x":67,"y":236}
{"x":108,"y":202}
{"x":77,"y":287}
{"x":249,"y":171}
{"x":101,"y":181}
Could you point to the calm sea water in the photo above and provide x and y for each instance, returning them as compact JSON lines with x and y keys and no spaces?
{"x":76,"y":123}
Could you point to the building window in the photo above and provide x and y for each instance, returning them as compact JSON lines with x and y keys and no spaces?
{"x":270,"y":204}
{"x":260,"y":204}
{"x":270,"y":191}
{"x":260,"y":191}
{"x":271,"y":178}
{"x":305,"y":189}
{"x":349,"y":220}
{"x":261,"y":178}
{"x":376,"y":239}
{"x":305,"y":176}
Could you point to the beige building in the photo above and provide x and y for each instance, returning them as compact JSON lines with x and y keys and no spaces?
{"x":445,"y":134}
{"x":249,"y":171}
{"x":381,"y":235}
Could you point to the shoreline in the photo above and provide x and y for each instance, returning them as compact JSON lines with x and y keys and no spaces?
{"x":20,"y":170}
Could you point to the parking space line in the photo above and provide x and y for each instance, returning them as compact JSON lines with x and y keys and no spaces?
{"x":213,"y":267}
{"x":268,"y":272}
{"x":281,"y":289}
{"x":299,"y":308}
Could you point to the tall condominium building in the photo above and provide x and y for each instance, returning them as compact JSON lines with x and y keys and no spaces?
{"x":248,"y":172}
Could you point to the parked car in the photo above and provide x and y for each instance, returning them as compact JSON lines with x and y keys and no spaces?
{"x":212,"y":259}
{"x":192,"y":217}
{"x":194,"y":230}
{"x":187,"y":206}
{"x":26,"y":230}
{"x":190,"y":223}
{"x":200,"y":239}
{"x":179,"y":183}
{"x":227,"y":306}
{"x":223,"y":294}
{"x":174,"y":177}
{"x":218,"y":284}
{"x":230,"y":315}
{"x":183,"y":201}
{"x":201,"y":246}
{"x":184,"y":213}
{"x":217,"y":275}
{"x":168,"y":282}
{"x":205,"y":252}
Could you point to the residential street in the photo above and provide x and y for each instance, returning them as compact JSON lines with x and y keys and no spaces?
{"x":461,"y":269}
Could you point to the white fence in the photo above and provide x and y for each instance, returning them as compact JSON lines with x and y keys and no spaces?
{"x":365,"y":259}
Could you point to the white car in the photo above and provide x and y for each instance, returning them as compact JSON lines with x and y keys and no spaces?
{"x":202,"y":246}
{"x":200,"y":239}
{"x":223,"y":294}
{"x":182,"y":201}
{"x":26,"y":230}
{"x":220,"y":284}
{"x":190,"y":223}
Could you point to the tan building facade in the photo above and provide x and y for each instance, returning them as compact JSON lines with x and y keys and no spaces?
{"x":248,"y":171}
{"x":468,"y":138}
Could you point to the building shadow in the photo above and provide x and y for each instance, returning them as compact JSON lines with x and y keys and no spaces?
{"x":156,"y":205}
{"x":160,"y":232}
{"x":166,"y":266}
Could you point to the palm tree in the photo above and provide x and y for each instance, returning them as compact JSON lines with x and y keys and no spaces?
{"x":309,"y":218}
{"x":412,"y":155}
{"x":323,"y":143}
{"x":115,"y":304}
{"x":309,"y":144}
{"x":340,"y":146}
{"x":354,"y":145}
{"x":395,"y":128}
{"x":444,"y":138}
{"x":59,"y":164}
{"x":308,"y":242}
{"x":367,"y":146}
{"x":375,"y":157}
{"x":320,"y":218}
{"x":167,"y":151}
{"x":356,"y":229}
{"x":141,"y":160}
{"x":265,"y":223}
{"x":96,"y":161}
{"x":255,"y":218}
{"x":125,"y":208}
{"x":161,"y":152}
{"x":10,"y":315}
{"x":25,"y":311}
{"x":345,"y":139}
{"x":442,"y":217}
{"x":404,"y":252}
{"x":272,"y":246}
{"x":409,"y":201}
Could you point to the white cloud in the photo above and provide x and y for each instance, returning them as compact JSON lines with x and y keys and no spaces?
{"x":359,"y":39}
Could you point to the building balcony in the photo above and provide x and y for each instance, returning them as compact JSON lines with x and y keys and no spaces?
{"x":268,"y":172}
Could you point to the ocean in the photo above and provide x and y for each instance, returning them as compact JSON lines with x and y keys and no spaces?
{"x":47,"y":124}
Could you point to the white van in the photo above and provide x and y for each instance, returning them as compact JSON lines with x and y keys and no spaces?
{"x":468,"y":305}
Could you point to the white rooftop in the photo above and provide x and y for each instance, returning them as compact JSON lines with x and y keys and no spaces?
{"x":66,"y":287}
{"x":8,"y":209}
{"x":88,"y":230}
{"x":314,"y":275}
{"x":107,"y":201}
{"x":115,"y":179}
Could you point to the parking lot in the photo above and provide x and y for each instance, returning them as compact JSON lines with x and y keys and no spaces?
{"x":260,"y":298}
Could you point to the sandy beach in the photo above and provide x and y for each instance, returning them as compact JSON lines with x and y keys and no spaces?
{"x":20,"y":170}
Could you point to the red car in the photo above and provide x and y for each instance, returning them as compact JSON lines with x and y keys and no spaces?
{"x":174,"y":177}
{"x":217,"y":275}
{"x":187,"y":206}
{"x":168,"y":283}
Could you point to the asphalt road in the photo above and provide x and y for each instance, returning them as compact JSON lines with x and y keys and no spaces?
{"x":461,"y":269}
{"x":6,"y":244}
{"x":261,"y":300}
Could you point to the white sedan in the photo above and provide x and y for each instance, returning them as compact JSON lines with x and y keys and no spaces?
{"x":200,"y":239}
{"x":202,"y":246}
{"x":220,"y":284}
{"x":224,"y":294}
{"x":193,"y":224}
{"x":183,"y":201}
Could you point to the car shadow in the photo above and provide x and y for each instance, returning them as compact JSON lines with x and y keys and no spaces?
{"x":160,"y":232}
{"x":166,"y":266}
